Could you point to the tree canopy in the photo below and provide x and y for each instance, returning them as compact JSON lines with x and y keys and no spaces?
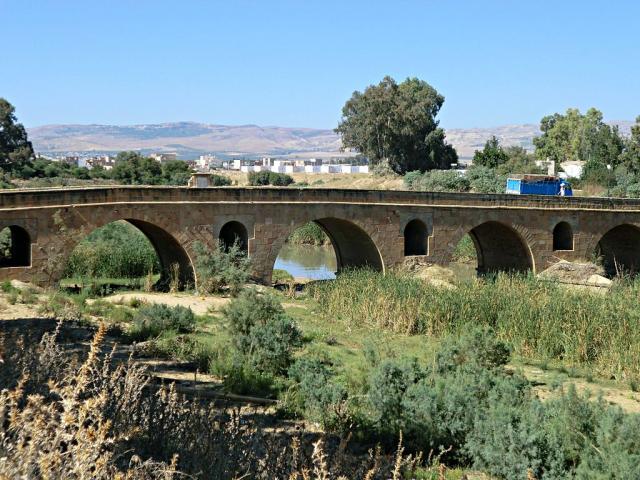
{"x":492,"y":155}
{"x":574,"y":136}
{"x":397,"y":123}
{"x":630,"y":156}
{"x":136,"y":169}
{"x":15,"y":147}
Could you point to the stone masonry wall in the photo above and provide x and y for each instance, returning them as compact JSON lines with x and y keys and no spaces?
{"x":57,"y":219}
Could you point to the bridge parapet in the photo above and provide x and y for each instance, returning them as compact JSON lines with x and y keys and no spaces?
{"x":138,"y":194}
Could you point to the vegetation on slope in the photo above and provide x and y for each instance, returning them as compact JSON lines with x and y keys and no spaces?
{"x":116,"y":250}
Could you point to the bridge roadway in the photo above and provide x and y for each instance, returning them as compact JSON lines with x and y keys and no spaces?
{"x":372,"y":228}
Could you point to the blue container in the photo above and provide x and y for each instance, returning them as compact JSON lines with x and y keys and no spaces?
{"x":519,"y":186}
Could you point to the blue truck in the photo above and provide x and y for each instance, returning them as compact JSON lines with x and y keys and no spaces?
{"x":539,"y":185}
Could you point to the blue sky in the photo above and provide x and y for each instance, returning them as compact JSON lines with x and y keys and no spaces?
{"x":294,"y":63}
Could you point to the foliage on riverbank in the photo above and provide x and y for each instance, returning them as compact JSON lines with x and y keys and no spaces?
{"x":98,"y":419}
{"x":540,"y":319}
{"x":445,"y":388}
{"x":116,"y":250}
{"x":309,"y":234}
{"x":465,"y":251}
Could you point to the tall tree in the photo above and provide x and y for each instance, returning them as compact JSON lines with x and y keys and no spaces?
{"x":574,"y":136}
{"x":15,"y":147}
{"x":630,"y":156}
{"x":397,"y":123}
{"x":133,"y":168}
{"x":492,"y":155}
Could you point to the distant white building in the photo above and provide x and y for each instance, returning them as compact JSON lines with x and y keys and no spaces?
{"x":283,"y":167}
{"x":207,"y":162}
{"x":164,"y":157}
{"x":105,"y":161}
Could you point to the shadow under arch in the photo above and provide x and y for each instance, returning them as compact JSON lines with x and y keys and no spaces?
{"x":353,"y":247}
{"x":169,"y":252}
{"x":562,"y":236}
{"x":16,"y":247}
{"x":234,"y":232}
{"x":415,"y":238}
{"x":619,"y":249}
{"x":500,"y":248}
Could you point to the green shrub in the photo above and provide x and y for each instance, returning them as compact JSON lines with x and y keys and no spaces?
{"x":269,"y":178}
{"x":272,"y":343}
{"x":485,"y":180}
{"x":478,"y":348}
{"x":309,"y":234}
{"x":437,"y":181}
{"x":388,"y":385}
{"x":565,"y":437}
{"x":219,"y":180}
{"x":248,"y":309}
{"x":243,"y":379}
{"x":281,"y":276}
{"x":411,"y":179}
{"x":219,"y":267}
{"x":316,"y":394}
{"x":280,"y":179}
{"x":155,"y":319}
{"x":187,"y":348}
{"x":477,"y":179}
{"x":465,"y":250}
{"x":7,"y":287}
{"x":436,"y":407}
{"x":261,"y":331}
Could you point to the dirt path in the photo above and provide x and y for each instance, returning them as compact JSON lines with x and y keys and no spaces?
{"x":199,"y":304}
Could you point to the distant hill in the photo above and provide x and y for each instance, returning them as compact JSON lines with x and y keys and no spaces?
{"x":190,"y":139}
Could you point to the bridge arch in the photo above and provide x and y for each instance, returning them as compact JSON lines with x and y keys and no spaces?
{"x":619,"y":249}
{"x":500,"y":248}
{"x":415,"y":238}
{"x":15,"y":243}
{"x":352,"y":245}
{"x":232,"y":232}
{"x":168,"y":249}
{"x":562,"y":236}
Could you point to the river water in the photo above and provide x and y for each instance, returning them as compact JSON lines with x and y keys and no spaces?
{"x":307,"y":261}
{"x":319,"y":263}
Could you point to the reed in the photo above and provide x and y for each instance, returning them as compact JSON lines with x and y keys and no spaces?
{"x":539,"y":319}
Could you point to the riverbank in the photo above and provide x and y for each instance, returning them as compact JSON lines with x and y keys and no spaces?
{"x":358,"y":327}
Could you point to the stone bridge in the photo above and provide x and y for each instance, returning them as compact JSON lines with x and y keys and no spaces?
{"x":370,"y":228}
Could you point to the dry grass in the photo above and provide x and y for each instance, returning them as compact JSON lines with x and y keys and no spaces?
{"x":362,"y":181}
{"x":84,"y":416}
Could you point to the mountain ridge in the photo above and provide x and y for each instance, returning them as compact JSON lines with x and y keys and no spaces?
{"x":190,"y":139}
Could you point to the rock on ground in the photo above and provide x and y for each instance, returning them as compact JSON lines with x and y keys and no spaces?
{"x":576,"y":273}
